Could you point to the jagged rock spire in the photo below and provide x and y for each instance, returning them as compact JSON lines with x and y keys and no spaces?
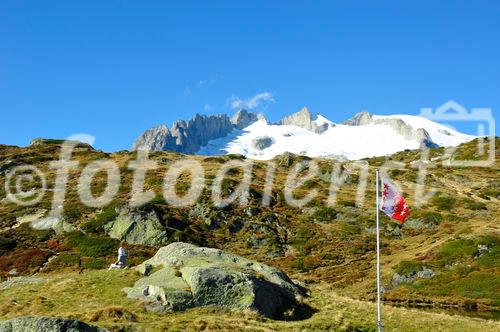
{"x":306,"y":120}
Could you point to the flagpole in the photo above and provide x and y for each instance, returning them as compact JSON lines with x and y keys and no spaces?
{"x":379,"y":312}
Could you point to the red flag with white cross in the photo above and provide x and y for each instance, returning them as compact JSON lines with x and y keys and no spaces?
{"x":393,"y":203}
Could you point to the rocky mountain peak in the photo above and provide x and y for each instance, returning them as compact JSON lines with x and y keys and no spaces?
{"x":305,"y":112}
{"x":153,"y":139}
{"x":360,"y":119}
{"x":243,"y":118}
{"x":306,"y":120}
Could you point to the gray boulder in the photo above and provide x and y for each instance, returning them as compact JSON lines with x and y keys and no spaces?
{"x":407,"y":278}
{"x":187,"y":276}
{"x":46,"y":324}
{"x":138,"y":226}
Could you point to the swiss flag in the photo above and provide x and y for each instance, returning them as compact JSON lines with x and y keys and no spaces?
{"x":393,"y":204}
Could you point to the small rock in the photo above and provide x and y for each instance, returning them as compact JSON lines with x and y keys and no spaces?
{"x":16,"y":281}
{"x":46,"y":324}
{"x":481,"y":250}
{"x":252,"y":211}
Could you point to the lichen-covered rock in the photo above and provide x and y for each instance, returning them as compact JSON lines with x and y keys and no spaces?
{"x":184,"y":276}
{"x":213,"y":217}
{"x":46,"y":324}
{"x":138,"y":226}
{"x":57,"y":224}
{"x":407,"y":278}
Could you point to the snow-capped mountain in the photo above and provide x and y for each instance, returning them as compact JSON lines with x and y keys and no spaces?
{"x":250,"y":134}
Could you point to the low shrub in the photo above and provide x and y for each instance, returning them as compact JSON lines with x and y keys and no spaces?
{"x":324,"y":214}
{"x":234,"y":156}
{"x":310,"y":184}
{"x":113,"y":313}
{"x":480,"y":285}
{"x":304,"y":263}
{"x":474,"y":205}
{"x":25,"y":234}
{"x":92,"y":263}
{"x":453,"y":251}
{"x":407,"y":267}
{"x":137,"y":256}
{"x":96,"y":226}
{"x":6,"y":244}
{"x":364,"y":245}
{"x":347,"y":203}
{"x":72,"y":213}
{"x":302,"y":241}
{"x":443,"y":201}
{"x":461,"y":283}
{"x":490,"y":192}
{"x":24,"y":260}
{"x":91,"y":246}
{"x":427,"y":217}
{"x":492,"y":257}
{"x":346,"y":230}
{"x":455,"y":218}
{"x":68,"y":259}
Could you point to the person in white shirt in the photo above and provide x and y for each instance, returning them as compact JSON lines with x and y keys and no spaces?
{"x":122,"y":258}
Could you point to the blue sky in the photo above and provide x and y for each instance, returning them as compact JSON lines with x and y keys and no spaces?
{"x":115,"y":68}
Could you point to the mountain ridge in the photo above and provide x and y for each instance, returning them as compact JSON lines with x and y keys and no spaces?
{"x":250,"y":134}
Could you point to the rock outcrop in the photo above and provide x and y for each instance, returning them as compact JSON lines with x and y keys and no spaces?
{"x":189,"y":137}
{"x":243,"y":119}
{"x":399,"y":126}
{"x":138,"y":226}
{"x":46,"y":324}
{"x":402,"y":279}
{"x":360,"y":119}
{"x":305,"y":119}
{"x":156,"y":139}
{"x":182,"y":276}
{"x":262,"y":143}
